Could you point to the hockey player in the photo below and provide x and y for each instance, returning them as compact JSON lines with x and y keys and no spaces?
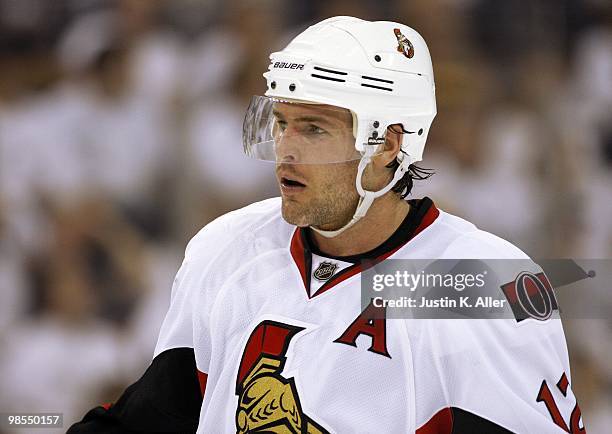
{"x":266,"y":331}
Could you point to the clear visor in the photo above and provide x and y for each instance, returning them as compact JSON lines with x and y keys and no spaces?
{"x":295,"y":132}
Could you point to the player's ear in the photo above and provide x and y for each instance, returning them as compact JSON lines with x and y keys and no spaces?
{"x":392,"y":146}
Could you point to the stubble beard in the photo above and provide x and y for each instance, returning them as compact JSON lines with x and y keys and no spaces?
{"x":332,"y":206}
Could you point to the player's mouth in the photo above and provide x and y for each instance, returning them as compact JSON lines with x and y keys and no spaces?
{"x":290,"y":185}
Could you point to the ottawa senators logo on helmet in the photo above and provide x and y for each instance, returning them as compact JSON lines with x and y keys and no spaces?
{"x":404,"y":45}
{"x":267,"y":401}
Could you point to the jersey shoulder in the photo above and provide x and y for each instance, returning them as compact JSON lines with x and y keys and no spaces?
{"x":467,"y":241}
{"x":210,"y":256}
{"x":258,"y":220}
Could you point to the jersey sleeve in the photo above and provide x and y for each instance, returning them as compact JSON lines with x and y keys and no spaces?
{"x":508,"y":375}
{"x":491,"y":374}
{"x":168,"y":397}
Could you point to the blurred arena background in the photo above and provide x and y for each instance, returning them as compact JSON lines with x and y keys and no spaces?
{"x":120,"y":136}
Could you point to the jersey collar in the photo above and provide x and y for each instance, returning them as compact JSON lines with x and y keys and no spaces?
{"x":422,"y":213}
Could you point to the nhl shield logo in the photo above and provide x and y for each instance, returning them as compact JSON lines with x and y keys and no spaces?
{"x":325,"y":271}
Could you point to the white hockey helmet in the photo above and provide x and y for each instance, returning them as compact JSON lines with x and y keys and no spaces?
{"x":380,"y":71}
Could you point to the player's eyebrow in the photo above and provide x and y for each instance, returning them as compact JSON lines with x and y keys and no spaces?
{"x":318,"y":119}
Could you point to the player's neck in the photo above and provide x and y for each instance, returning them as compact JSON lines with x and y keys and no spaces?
{"x":382,"y":219}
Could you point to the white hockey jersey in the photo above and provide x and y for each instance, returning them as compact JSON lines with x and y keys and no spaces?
{"x":283,"y":345}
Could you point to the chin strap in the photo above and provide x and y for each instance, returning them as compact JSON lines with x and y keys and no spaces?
{"x":367,"y":197}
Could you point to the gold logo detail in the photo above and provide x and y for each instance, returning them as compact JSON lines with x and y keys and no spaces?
{"x":267,"y":401}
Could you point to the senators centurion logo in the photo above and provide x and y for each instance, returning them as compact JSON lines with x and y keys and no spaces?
{"x":325,"y":271}
{"x":404,"y":45}
{"x":267,"y":401}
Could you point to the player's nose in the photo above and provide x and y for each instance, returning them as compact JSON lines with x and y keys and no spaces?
{"x":288,"y":148}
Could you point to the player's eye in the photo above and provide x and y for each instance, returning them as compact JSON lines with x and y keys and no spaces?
{"x":281,"y":125}
{"x":314,"y":129}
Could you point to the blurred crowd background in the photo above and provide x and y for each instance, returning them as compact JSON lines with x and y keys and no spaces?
{"x":120,"y":136}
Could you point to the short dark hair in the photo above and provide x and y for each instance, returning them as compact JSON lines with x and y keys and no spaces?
{"x":406,"y":182}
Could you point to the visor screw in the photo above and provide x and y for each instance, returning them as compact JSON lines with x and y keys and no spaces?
{"x":273,"y":85}
{"x":420,"y":131}
{"x":377,"y":58}
{"x":292,"y":87}
{"x":376,"y":124}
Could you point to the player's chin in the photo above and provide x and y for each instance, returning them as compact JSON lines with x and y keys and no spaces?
{"x":293,"y":213}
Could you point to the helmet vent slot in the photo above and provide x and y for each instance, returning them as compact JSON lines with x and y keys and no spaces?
{"x":382,"y":80}
{"x":328,"y":78}
{"x":331,"y":71}
{"x":377,"y":87}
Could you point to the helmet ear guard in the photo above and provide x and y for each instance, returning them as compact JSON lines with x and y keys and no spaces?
{"x":416,"y":130}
